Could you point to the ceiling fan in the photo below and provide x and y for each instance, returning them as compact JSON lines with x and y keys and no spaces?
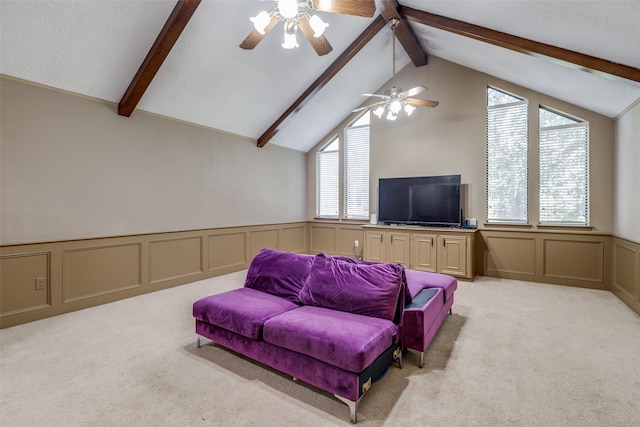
{"x":298,"y":14}
{"x":395,"y":99}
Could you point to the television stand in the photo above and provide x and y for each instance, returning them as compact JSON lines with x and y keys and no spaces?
{"x":435,"y":249}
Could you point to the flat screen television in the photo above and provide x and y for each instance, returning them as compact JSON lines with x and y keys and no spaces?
{"x":426,"y":200}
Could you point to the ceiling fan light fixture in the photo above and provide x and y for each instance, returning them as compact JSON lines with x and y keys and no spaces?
{"x":290,"y":41}
{"x":409,"y":109}
{"x":395,"y":106}
{"x":260,"y":21}
{"x":317,"y":25}
{"x":288,"y":8}
{"x":379,"y":111}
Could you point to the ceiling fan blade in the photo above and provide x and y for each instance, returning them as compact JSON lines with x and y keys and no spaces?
{"x":413,"y":91}
{"x":368,"y":106}
{"x":375,"y":94}
{"x":365,"y":8}
{"x":320,"y":44}
{"x":255,"y":37}
{"x":422,"y":102}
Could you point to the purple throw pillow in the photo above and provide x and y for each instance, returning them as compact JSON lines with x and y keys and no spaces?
{"x":408,"y":297}
{"x":282,"y":274}
{"x":369,"y":289}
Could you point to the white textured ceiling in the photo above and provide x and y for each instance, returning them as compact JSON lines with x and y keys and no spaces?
{"x":95,"y":47}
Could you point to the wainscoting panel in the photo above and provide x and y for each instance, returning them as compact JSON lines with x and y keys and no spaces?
{"x":263,"y":239}
{"x":83,"y":273}
{"x":345,"y":239}
{"x":558,"y":257}
{"x":574,"y":259}
{"x":626,"y":272}
{"x":175,"y":258}
{"x":508,"y":254}
{"x":97,"y":270}
{"x":227,"y":252}
{"x":293,"y":239}
{"x":322,"y":238}
{"x":24,"y":282}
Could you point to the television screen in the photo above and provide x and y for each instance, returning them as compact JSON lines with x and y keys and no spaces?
{"x":429,"y":200}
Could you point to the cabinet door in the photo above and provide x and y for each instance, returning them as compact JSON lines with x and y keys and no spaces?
{"x":398,"y":248}
{"x":452,"y":257}
{"x":374,"y":246}
{"x":423,"y":252}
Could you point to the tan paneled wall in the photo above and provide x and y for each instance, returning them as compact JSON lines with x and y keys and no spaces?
{"x":336,"y":238}
{"x":626,"y":272}
{"x":45,"y":279}
{"x":564,"y":258}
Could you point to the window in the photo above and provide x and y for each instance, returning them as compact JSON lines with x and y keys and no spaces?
{"x":564,"y":169}
{"x":356,"y":168}
{"x":327,"y":180}
{"x":507,"y":157}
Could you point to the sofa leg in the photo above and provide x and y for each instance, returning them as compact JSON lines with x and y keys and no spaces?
{"x":397,"y":357}
{"x":200,"y":343}
{"x":450,"y":312}
{"x":421,"y":359}
{"x":353,"y":408}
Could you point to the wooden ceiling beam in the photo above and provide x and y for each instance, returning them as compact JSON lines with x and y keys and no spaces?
{"x":404,"y":33}
{"x":530,"y":47}
{"x":177,"y":21}
{"x":378,"y":24}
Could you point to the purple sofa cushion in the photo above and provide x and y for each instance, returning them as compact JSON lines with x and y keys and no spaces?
{"x":407,"y":295}
{"x":346,"y":340}
{"x":367,"y":289}
{"x":419,"y":280}
{"x":279,"y":273}
{"x":242,"y":311}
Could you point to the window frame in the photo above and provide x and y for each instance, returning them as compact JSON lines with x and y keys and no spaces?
{"x":360,"y":178}
{"x":578,"y":123}
{"x":332,"y":155}
{"x":521,"y":101}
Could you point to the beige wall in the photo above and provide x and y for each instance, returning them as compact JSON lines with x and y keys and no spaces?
{"x":72,"y":168}
{"x":627,"y":175}
{"x":451,"y":139}
{"x":626,"y":222}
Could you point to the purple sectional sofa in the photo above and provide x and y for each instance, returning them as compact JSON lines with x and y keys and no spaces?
{"x":333,"y":322}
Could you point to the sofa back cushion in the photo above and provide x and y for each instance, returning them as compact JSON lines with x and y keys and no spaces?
{"x":361,"y":288}
{"x":407,"y":295}
{"x":282,"y":274}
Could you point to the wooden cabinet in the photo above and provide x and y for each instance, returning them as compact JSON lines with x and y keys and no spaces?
{"x":374,"y":246}
{"x":383,"y":246}
{"x":424,"y":249}
{"x":447,"y":251}
{"x":452,"y":255}
{"x":399,"y":248}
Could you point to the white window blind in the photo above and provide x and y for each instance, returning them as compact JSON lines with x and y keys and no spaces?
{"x":564,"y":169}
{"x":327,"y":180}
{"x":356,"y":184}
{"x":507,"y":158}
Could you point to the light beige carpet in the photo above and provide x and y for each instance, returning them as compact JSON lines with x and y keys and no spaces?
{"x":512,"y":354}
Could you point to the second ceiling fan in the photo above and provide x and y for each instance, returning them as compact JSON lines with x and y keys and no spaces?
{"x":395,"y":99}
{"x":299,"y":14}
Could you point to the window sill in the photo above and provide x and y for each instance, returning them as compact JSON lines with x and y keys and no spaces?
{"x":341,"y":220}
{"x":565,"y":227}
{"x":507,"y":225}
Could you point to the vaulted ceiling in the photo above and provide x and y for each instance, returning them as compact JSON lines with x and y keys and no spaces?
{"x":292,"y":98}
